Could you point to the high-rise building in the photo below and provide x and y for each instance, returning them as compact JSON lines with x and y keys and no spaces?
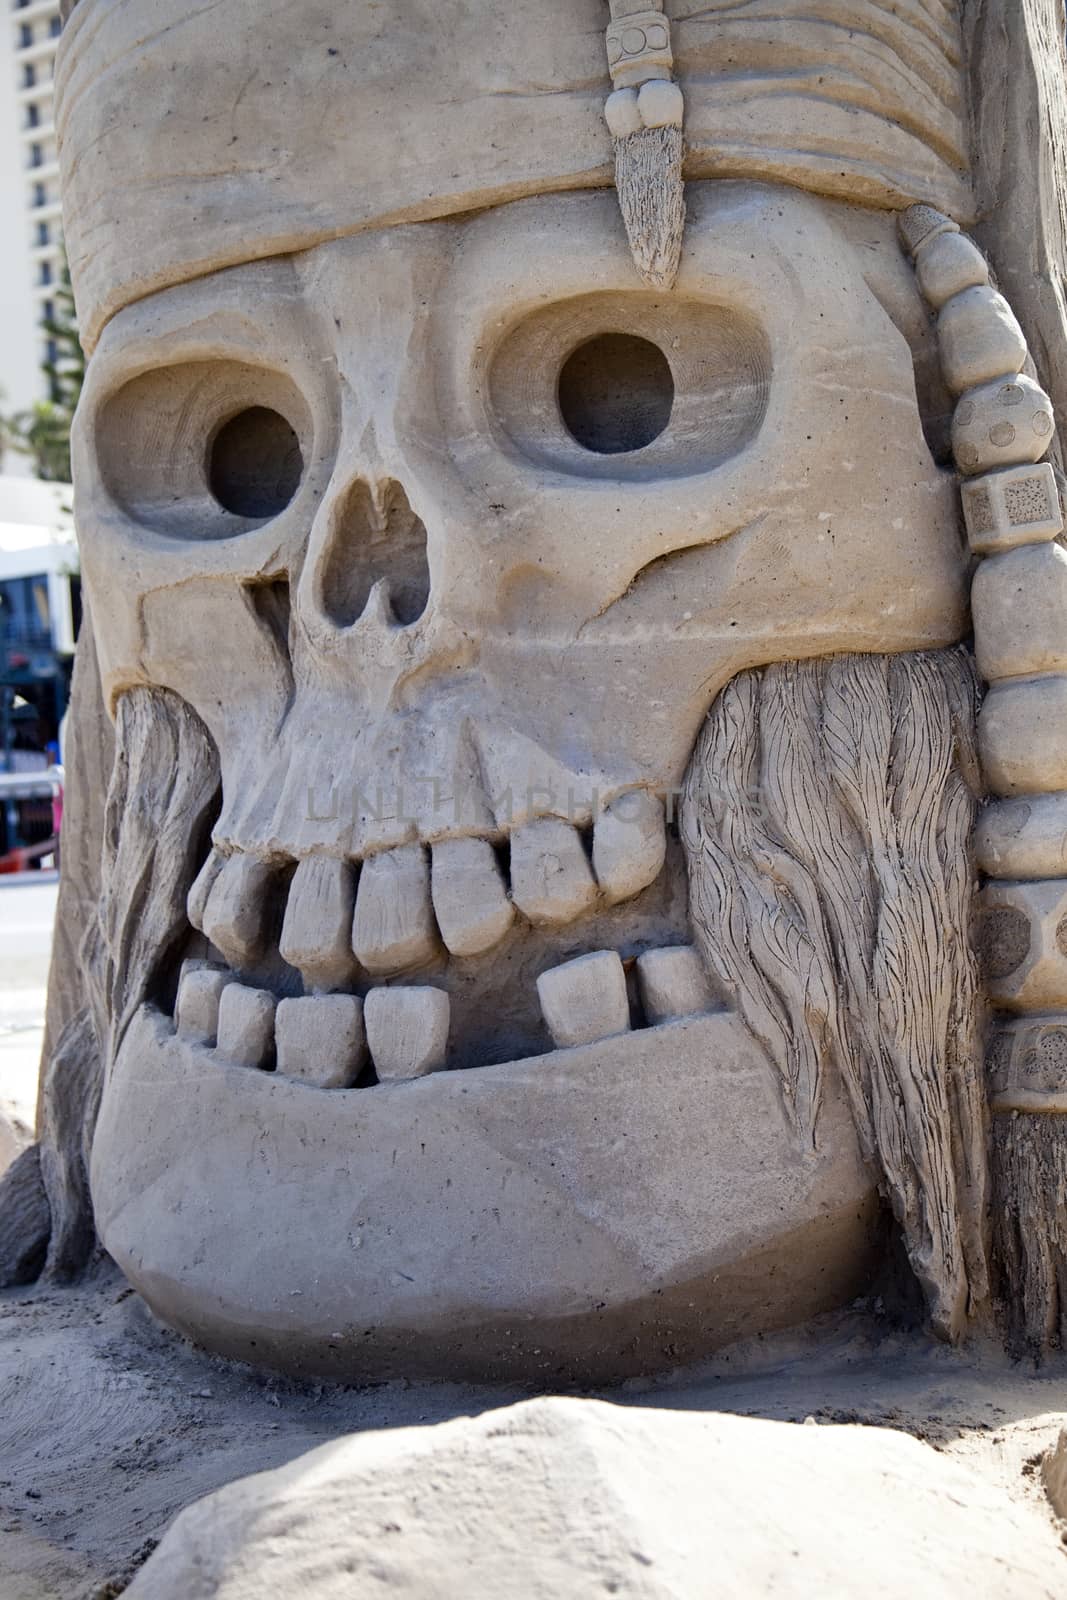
{"x":29,"y":195}
{"x":38,"y":559}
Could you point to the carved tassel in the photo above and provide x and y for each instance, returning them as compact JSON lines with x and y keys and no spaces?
{"x":644,"y":116}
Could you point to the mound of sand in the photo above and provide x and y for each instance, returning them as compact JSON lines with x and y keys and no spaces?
{"x":577,"y":1498}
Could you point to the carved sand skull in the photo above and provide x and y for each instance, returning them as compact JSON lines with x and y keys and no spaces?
{"x":451,"y":534}
{"x":474,"y":595}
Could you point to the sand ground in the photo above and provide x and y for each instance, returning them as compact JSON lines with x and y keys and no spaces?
{"x":109,"y":1425}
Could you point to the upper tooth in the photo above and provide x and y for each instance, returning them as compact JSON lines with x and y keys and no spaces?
{"x":317,"y":932}
{"x":673,"y":982}
{"x":394,"y":925}
{"x":196,"y":1013}
{"x":469,"y":897}
{"x":551,"y":880}
{"x":236,"y":919}
{"x":203,"y":884}
{"x":320,"y":1038}
{"x":629,"y":844}
{"x":246,"y":1025}
{"x":407,"y":1031}
{"x":585,"y":1000}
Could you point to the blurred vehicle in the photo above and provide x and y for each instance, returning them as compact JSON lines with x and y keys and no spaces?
{"x":30,"y":807}
{"x":40,"y":613}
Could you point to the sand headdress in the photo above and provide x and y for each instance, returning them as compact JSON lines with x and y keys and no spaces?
{"x":251,"y":128}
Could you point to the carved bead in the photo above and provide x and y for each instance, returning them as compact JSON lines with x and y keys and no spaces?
{"x":1023,"y":838}
{"x":1002,"y":424}
{"x":921,"y":223}
{"x":661,"y":104}
{"x":639,"y":48}
{"x":946,"y":263}
{"x":1022,"y":736}
{"x":621,"y":114}
{"x":979,"y":338}
{"x":1019,"y":604}
{"x":1019,"y":505}
{"x":1022,"y":942}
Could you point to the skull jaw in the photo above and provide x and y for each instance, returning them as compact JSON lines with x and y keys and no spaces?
{"x":479,"y":1223}
{"x":608,"y":1209}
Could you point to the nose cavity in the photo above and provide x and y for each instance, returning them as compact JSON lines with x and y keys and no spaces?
{"x":376,"y":539}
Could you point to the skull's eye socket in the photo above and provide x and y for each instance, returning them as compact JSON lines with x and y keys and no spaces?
{"x":628,"y":386}
{"x":255,"y":464}
{"x":204,"y":449}
{"x":616,"y":393}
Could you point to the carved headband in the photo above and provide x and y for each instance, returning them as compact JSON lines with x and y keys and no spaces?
{"x":253,"y":128}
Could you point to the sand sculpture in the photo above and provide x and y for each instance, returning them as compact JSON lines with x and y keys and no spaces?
{"x":528,"y":502}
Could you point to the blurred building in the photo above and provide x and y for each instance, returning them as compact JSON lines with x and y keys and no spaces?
{"x":31,"y":260}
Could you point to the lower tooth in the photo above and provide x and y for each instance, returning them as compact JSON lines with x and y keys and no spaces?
{"x":246,"y":1025}
{"x":585,"y":1000}
{"x":196,"y":1013}
{"x":320,"y":1039}
{"x":673,"y":983}
{"x":407,"y":1031}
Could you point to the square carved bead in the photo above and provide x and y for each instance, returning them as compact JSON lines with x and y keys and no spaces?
{"x":1020,"y":505}
{"x":1028,"y":1056}
{"x":639,"y":48}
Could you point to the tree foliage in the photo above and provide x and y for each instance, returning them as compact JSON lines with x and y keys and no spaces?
{"x":43,"y":432}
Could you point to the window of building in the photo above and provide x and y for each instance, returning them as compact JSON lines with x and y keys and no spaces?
{"x":45,"y":273}
{"x":29,"y":74}
{"x":54,"y":26}
{"x":25,"y":35}
{"x":36,"y":156}
{"x":33,"y":116}
{"x":25,"y":619}
{"x":40,"y":195}
{"x":49,"y":310}
{"x":44,"y":233}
